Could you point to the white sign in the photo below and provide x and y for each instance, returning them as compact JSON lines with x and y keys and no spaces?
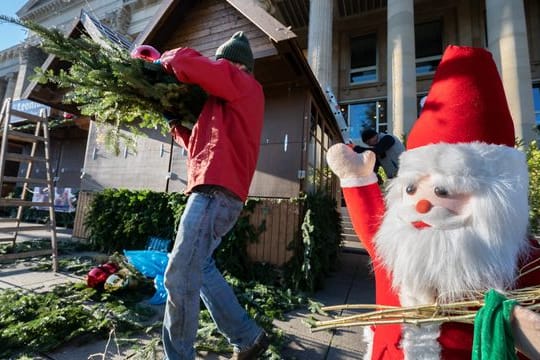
{"x":29,"y":107}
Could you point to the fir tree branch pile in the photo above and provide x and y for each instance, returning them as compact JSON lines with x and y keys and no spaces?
{"x":105,"y":83}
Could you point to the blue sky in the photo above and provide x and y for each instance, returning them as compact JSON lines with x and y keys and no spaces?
{"x":11,"y":34}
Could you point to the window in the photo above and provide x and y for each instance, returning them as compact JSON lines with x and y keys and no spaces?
{"x":366,"y":115}
{"x":363,"y":59}
{"x":428,"y":46}
{"x":536,"y":98}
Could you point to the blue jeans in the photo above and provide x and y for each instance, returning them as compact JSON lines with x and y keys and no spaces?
{"x":191,"y":273}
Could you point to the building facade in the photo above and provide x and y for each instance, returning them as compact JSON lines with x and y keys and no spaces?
{"x":378,"y":57}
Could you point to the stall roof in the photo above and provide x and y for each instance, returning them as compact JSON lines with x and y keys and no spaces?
{"x":158,"y":26}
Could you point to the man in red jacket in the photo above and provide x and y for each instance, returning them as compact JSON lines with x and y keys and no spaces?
{"x":223,"y":148}
{"x":455,"y":220}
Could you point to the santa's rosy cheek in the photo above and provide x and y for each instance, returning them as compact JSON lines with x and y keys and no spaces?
{"x":456,"y":204}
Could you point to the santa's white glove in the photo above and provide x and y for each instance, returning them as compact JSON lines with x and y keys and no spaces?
{"x":526,"y":328}
{"x":352,"y":168}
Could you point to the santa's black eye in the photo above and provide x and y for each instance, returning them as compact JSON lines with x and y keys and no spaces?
{"x":410,"y":189}
{"x":440,"y":191}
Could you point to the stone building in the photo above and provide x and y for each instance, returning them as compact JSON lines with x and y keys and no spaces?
{"x":377,"y":57}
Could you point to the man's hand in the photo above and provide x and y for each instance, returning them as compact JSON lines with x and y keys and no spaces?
{"x":166,"y":58}
{"x":526,"y":329}
{"x":347,"y":164}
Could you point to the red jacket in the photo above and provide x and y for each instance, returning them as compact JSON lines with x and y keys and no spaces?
{"x":223,"y":146}
{"x":366,"y":208}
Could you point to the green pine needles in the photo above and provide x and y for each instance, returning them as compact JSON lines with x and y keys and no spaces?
{"x":105,"y":83}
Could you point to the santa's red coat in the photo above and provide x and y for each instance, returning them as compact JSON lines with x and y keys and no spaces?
{"x":366,"y":209}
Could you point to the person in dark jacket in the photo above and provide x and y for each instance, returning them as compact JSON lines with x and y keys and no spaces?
{"x":223,"y":148}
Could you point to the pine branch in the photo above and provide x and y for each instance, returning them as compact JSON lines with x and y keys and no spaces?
{"x":104,"y":82}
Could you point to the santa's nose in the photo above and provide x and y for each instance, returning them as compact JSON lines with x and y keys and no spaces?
{"x":423,"y":206}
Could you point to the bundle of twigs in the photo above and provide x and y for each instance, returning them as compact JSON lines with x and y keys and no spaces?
{"x":462,"y":311}
{"x":105,"y":83}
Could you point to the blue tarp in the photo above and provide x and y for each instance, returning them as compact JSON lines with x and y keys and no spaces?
{"x":152,"y":264}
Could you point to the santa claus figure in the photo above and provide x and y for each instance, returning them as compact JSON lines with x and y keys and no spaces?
{"x":455,"y":220}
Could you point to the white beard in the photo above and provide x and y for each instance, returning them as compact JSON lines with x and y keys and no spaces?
{"x":454,"y":259}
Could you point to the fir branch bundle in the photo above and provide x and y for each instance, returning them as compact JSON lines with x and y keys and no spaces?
{"x":105,"y":83}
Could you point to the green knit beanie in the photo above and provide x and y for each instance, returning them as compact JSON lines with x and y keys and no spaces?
{"x":237,"y":49}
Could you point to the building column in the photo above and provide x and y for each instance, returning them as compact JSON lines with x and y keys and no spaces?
{"x":3,"y":88}
{"x":401,"y":79}
{"x":22,"y":74}
{"x":10,"y":87}
{"x":507,"y":40}
{"x":29,"y":58}
{"x":320,"y":40}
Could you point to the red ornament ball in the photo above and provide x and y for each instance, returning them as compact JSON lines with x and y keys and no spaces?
{"x":96,"y":277}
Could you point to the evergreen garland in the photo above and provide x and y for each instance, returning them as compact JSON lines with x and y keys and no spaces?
{"x":533,"y":162}
{"x":105,"y":83}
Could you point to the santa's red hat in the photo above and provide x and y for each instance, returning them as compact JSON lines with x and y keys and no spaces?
{"x":466,"y":102}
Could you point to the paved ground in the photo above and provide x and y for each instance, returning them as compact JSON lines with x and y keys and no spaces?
{"x":351,"y":284}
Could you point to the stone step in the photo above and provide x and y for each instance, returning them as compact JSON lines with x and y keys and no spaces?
{"x":350,"y":237}
{"x":353,"y":246}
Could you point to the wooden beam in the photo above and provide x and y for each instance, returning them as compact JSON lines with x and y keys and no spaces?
{"x":264,"y":21}
{"x":156,"y":23}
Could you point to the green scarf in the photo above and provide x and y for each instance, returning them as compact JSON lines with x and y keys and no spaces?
{"x":493,"y":339}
